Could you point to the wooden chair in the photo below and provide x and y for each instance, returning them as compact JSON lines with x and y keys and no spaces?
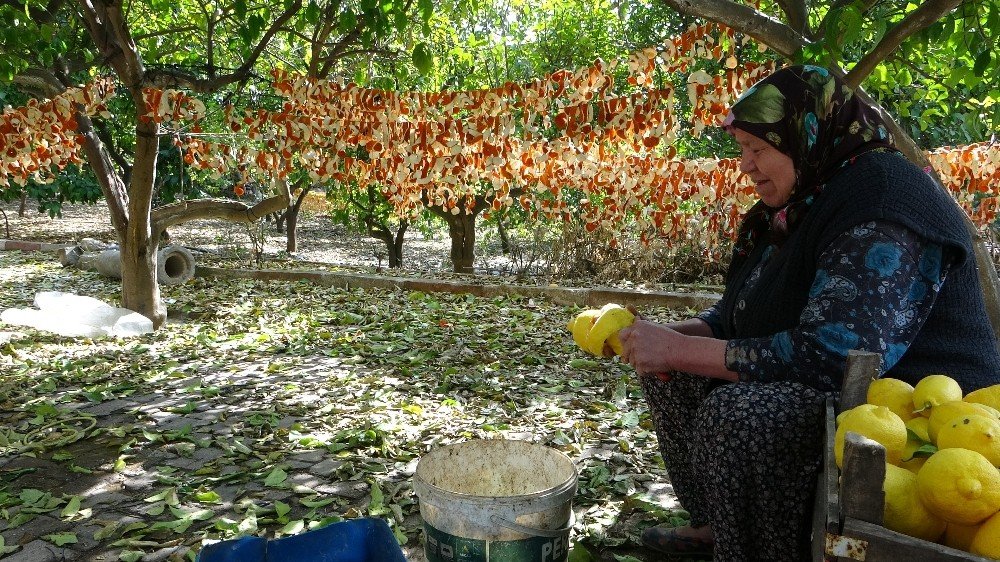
{"x":847,"y":518}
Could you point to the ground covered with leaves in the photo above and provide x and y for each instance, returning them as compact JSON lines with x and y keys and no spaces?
{"x":266,"y":408}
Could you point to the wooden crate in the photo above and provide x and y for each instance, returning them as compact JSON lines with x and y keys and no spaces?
{"x":847,"y":519}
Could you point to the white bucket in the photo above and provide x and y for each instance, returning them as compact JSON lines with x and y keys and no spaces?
{"x":496,"y":501}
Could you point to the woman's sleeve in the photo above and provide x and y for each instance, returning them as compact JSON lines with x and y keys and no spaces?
{"x":875,"y":286}
{"x":712,"y":317}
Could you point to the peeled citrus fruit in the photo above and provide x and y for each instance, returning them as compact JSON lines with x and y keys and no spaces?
{"x":959,"y":486}
{"x":975,"y":432}
{"x":894,"y":394}
{"x":933,"y":390}
{"x":613,"y":317}
{"x":903,"y":511}
{"x":877,"y":423}
{"x":581,"y":326}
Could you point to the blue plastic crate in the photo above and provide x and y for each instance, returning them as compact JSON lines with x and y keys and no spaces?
{"x":355,"y":540}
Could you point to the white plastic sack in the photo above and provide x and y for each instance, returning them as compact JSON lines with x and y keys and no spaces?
{"x":72,"y":315}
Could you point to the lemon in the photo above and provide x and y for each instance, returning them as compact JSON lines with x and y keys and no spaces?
{"x":933,"y":390}
{"x":581,"y":326}
{"x":987,"y":540}
{"x":909,"y":461}
{"x":959,"y":486}
{"x":916,"y":437}
{"x":919,"y":426}
{"x":989,"y":396}
{"x":903,"y":511}
{"x":877,"y":423}
{"x":960,"y":536}
{"x":613,"y":317}
{"x":974,"y":432}
{"x":944,"y":413}
{"x":894,"y":394}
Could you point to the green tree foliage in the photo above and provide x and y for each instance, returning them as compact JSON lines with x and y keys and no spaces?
{"x":217,"y":51}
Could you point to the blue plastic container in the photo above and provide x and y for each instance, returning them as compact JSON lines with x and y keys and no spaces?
{"x":355,"y":540}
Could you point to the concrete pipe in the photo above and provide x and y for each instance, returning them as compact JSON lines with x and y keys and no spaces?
{"x":174,"y":265}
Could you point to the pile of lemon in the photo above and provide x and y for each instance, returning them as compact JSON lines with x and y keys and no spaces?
{"x":942,"y":480}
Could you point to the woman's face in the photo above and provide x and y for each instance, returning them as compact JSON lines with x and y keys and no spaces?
{"x":771,"y":170}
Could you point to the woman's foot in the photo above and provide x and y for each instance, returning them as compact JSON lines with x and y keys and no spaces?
{"x":686,"y":540}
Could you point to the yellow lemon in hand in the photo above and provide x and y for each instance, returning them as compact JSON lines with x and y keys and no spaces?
{"x":987,"y":540}
{"x":877,"y":423}
{"x":903,"y":511}
{"x":976,"y":433}
{"x":613,"y":318}
{"x":894,"y":394}
{"x":959,"y":486}
{"x":581,"y":326}
{"x":989,"y":396}
{"x":933,"y":390}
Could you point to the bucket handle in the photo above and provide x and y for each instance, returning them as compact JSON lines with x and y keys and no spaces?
{"x":550,"y":533}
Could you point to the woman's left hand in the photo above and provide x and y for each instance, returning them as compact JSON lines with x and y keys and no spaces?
{"x":650,"y":348}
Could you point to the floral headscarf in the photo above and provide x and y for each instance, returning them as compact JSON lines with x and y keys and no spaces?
{"x":813,"y":117}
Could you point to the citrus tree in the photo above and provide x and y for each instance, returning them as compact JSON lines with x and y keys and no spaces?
{"x":211,"y":50}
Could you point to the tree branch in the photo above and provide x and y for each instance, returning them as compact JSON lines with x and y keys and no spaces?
{"x":106,"y":25}
{"x":795,"y":14}
{"x":164,"y":78}
{"x":166,"y":216}
{"x":100,"y":127}
{"x":42,"y":83}
{"x":926,"y":14}
{"x":744,"y":19}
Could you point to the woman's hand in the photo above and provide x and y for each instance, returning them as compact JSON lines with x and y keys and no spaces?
{"x":655,"y":349}
{"x":651,"y":348}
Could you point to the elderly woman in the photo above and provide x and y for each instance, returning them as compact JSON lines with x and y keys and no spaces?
{"x":850,"y":247}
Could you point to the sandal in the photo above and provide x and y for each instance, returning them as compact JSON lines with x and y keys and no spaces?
{"x":668,"y":541}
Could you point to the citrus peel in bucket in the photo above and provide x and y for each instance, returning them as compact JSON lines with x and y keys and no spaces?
{"x":494,"y":495}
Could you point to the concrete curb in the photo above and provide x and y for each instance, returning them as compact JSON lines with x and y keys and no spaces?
{"x":30,"y":246}
{"x":589,"y":297}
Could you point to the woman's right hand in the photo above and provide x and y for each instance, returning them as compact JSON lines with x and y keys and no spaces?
{"x":649,"y":347}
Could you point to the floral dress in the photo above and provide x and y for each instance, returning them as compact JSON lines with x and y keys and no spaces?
{"x":879,"y":270}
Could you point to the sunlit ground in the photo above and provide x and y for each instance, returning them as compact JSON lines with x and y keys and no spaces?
{"x":266,"y":408}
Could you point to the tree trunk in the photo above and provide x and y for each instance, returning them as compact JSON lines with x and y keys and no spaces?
{"x":23,"y":205}
{"x":462,"y":229}
{"x":396,"y":248}
{"x":140,"y":291}
{"x":130,"y":215}
{"x":292,"y":216}
{"x":504,"y":237}
{"x":393,"y":243}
